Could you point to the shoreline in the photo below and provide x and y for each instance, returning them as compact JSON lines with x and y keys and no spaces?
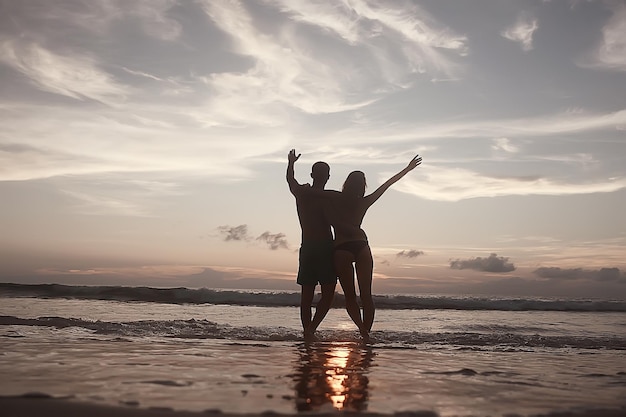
{"x":36,"y":404}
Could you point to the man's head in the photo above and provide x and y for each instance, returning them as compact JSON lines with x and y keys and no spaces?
{"x":320,"y":172}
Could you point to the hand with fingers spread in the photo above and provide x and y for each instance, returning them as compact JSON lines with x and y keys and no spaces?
{"x":417,"y":160}
{"x":292,"y":157}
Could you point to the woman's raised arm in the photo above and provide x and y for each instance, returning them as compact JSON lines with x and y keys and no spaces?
{"x":371,"y":198}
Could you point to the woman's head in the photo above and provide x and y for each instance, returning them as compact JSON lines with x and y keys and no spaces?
{"x":355,"y":184}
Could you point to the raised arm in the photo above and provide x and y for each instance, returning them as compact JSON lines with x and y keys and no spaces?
{"x":291,"y":179}
{"x":371,"y":199}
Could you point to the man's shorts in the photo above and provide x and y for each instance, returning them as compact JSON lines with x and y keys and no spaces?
{"x":316,"y":263}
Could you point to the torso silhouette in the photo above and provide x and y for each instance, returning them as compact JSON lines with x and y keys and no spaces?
{"x":313,"y":222}
{"x":346,"y":213}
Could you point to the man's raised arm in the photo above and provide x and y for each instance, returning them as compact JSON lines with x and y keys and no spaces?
{"x":291,"y":179}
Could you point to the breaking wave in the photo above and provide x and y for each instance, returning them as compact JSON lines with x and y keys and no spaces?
{"x":292,"y":299}
{"x":205,"y":329}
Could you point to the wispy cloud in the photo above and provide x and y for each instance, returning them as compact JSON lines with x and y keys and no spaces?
{"x":359,"y":21}
{"x":153,"y":17}
{"x":412,"y":253}
{"x":236,"y":233}
{"x":111,"y":195}
{"x":133,"y":139}
{"x":522,"y":31}
{"x":73,"y":76}
{"x":98,"y":18}
{"x":455,"y":184}
{"x":566,"y":122}
{"x":283,"y":73}
{"x":337,"y":17}
{"x":274,"y":240}
{"x":611,"y":51}
{"x":289,"y":70}
{"x":94,"y":204}
{"x":414,"y":24}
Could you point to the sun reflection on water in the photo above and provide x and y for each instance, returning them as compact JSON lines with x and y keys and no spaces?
{"x":337,"y":363}
{"x":332,"y":375}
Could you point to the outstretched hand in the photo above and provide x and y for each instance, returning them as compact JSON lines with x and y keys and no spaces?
{"x":292,"y":157}
{"x":414,"y":162}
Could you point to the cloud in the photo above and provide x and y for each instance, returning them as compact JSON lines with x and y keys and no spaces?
{"x":522,"y":31}
{"x":153,"y":17}
{"x":117,"y":195}
{"x":283,"y":74}
{"x":338,"y":18}
{"x":240,"y":233}
{"x":142,"y":138}
{"x":236,"y":233}
{"x":367,"y":49}
{"x":504,"y":144}
{"x":560,"y":123}
{"x":358,"y":21}
{"x":76,"y":76}
{"x":409,"y":253}
{"x":600,"y":275}
{"x":542,"y":288}
{"x":456,"y":184}
{"x":611,"y":52}
{"x":294,"y":57}
{"x":92,"y":204}
{"x":493,"y":263}
{"x":274,"y":241}
{"x":96,"y":18}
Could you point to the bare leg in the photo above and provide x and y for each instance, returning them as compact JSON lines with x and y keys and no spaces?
{"x":306,"y":299}
{"x":345,"y":272}
{"x":364,"y":271}
{"x":323,"y":305}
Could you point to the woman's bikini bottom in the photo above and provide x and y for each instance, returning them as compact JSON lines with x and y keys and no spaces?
{"x":353,"y":246}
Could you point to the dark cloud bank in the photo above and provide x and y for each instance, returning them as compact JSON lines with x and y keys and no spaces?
{"x":493,"y":263}
{"x":607,"y":283}
{"x":599,"y":275}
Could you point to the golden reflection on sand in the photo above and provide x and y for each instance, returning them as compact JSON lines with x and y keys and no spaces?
{"x":332,"y":375}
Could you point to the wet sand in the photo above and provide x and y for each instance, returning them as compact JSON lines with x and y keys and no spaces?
{"x":34,"y":405}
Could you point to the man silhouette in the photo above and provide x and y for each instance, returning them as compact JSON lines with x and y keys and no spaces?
{"x":316,"y":249}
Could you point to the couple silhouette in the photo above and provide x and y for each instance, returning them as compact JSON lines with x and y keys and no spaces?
{"x":323,"y":257}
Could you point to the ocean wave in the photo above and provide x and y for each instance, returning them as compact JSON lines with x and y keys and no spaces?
{"x":292,"y":299}
{"x":205,"y":329}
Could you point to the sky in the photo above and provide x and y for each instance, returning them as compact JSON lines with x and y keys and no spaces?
{"x":145,"y":142}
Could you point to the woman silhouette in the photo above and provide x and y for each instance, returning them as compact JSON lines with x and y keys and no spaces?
{"x":345,"y":211}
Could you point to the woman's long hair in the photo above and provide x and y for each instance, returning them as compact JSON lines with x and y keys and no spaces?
{"x":355,"y":184}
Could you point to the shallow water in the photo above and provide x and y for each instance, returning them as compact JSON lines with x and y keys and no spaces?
{"x":549,"y":323}
{"x":250,"y":359}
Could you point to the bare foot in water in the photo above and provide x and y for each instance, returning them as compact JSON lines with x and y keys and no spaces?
{"x":310,"y":337}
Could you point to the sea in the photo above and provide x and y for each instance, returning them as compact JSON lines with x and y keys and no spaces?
{"x":242,"y":351}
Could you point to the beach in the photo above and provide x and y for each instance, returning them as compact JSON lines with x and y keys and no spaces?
{"x":65,"y":355}
{"x":32,"y":407}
